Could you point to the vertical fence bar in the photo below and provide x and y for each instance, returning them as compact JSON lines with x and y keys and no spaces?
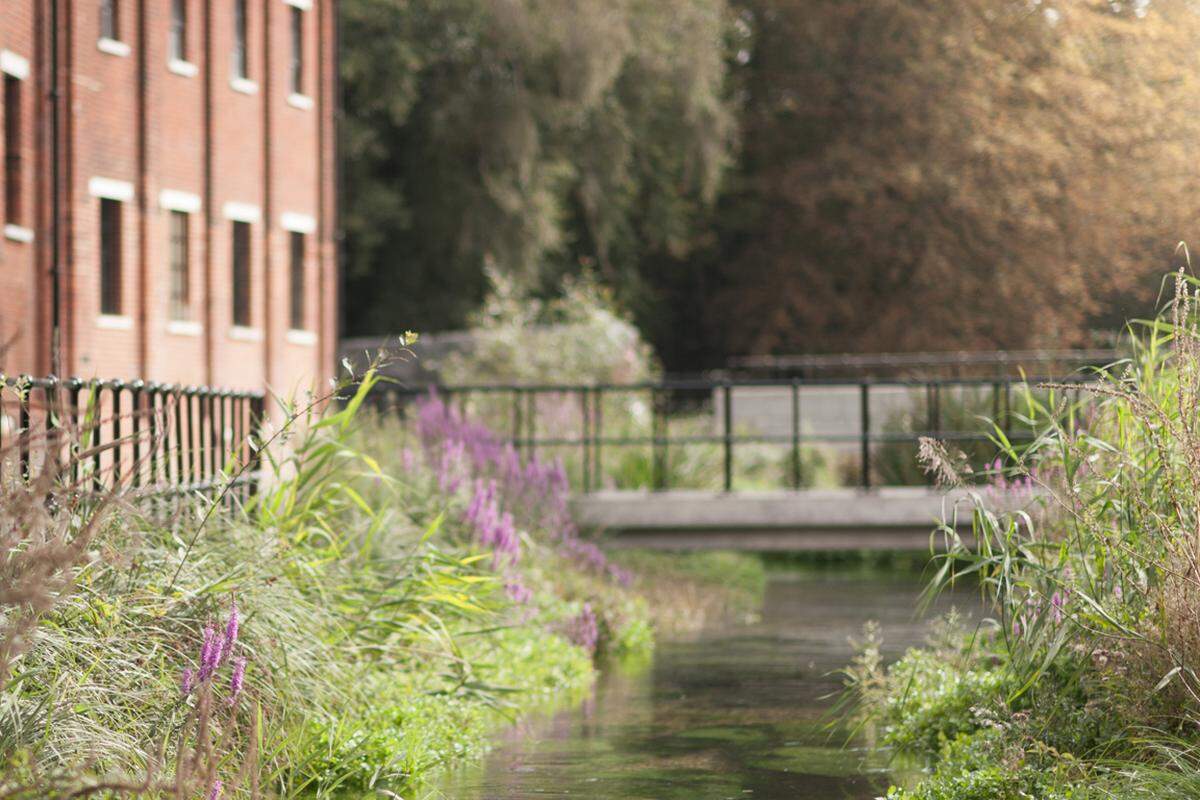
{"x":137,"y":392}
{"x":727,"y":396}
{"x":864,"y":406}
{"x":24,"y":391}
{"x":257,"y":409}
{"x":214,"y":434}
{"x":96,"y":416}
{"x":658,"y":446}
{"x":797,"y":478}
{"x":531,"y":423}
{"x":598,"y":438}
{"x":585,"y":419}
{"x":516,"y":418}
{"x":118,"y":434}
{"x":75,"y":395}
{"x":154,"y":432}
{"x":181,"y":460}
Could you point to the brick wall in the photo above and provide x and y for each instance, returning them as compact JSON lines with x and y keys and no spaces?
{"x":161,"y":135}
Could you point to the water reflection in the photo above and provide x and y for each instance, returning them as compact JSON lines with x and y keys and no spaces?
{"x":733,"y":713}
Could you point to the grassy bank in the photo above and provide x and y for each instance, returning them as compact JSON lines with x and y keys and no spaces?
{"x":386,"y":601}
{"x":1083,"y":682}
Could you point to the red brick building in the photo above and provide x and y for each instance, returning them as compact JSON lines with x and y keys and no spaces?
{"x":169,"y":190}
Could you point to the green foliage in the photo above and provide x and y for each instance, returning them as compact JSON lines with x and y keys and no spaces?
{"x":931,"y":701}
{"x":982,"y":766}
{"x":580,"y":337}
{"x":403,"y":733}
{"x":534,"y":136}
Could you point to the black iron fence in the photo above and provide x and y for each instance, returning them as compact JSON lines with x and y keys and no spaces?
{"x":151,"y":438}
{"x":728,"y":435}
{"x":989,"y":364}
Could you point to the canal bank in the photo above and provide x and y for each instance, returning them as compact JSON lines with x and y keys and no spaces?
{"x":739,"y":709}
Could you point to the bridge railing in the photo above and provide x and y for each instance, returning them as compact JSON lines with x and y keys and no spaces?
{"x":150,"y":438}
{"x":737,"y":434}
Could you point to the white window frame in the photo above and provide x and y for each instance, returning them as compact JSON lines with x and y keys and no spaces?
{"x":174,"y":200}
{"x":14,"y":65}
{"x":242,"y":212}
{"x":297,"y":223}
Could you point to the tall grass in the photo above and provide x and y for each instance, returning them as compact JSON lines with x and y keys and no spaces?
{"x":1088,"y":670}
{"x":377,"y":634}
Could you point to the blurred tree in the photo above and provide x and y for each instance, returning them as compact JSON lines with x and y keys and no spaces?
{"x":534,"y":136}
{"x":919,"y":174}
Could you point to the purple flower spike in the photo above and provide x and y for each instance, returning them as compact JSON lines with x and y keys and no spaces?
{"x":1056,"y":603}
{"x":210,"y":653}
{"x":518,"y":592}
{"x":215,"y":792}
{"x":187,"y":680}
{"x":583,"y":630}
{"x":231,"y":631}
{"x":236,"y":679}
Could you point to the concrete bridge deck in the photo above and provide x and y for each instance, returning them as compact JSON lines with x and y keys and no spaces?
{"x":895,"y":518}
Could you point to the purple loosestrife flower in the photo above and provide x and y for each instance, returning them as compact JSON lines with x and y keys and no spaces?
{"x":1057,"y":602}
{"x":518,"y":592}
{"x":236,"y":678}
{"x":231,"y":632}
{"x":583,"y":629}
{"x":210,"y":653}
{"x":187,"y":681}
{"x":215,"y":792}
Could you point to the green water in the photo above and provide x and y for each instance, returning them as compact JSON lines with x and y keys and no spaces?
{"x":735,"y":712}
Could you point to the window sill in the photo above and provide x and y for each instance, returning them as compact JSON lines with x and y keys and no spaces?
{"x":112,"y":47}
{"x":244,"y":85}
{"x":301,"y":101}
{"x":114,"y":322}
{"x":185,"y":68}
{"x":305,"y":338}
{"x":243,"y":334}
{"x":18,"y":233}
{"x":184,"y":327}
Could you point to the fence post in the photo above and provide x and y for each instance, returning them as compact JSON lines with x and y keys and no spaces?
{"x":864,"y":402}
{"x":796,"y":476}
{"x":727,"y":392}
{"x":531,"y":423}
{"x":585,"y":418}
{"x":516,"y":419}
{"x":257,"y":409}
{"x":598,"y":436}
{"x":24,"y":389}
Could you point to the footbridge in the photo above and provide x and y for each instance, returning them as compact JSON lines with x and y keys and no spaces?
{"x":895,"y":518}
{"x":743,"y":463}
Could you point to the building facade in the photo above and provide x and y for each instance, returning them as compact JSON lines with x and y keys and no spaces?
{"x":169,"y":191}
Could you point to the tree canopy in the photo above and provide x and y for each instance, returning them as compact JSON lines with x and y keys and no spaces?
{"x":774,"y":175}
{"x":533,"y":136}
{"x":930,"y":175}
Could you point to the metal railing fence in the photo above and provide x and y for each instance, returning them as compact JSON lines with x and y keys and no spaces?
{"x":151,"y":438}
{"x":583,"y":423}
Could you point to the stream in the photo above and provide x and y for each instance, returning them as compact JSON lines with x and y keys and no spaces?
{"x":737,"y":711}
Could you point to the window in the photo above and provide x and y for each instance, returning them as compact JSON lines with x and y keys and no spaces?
{"x":110,"y":20}
{"x":177,"y":44}
{"x":297,"y":274}
{"x":178,"y":247}
{"x":110,"y":256}
{"x":297,"y":50}
{"x":12,"y":150}
{"x":241,"y":61}
{"x":241,"y":274}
